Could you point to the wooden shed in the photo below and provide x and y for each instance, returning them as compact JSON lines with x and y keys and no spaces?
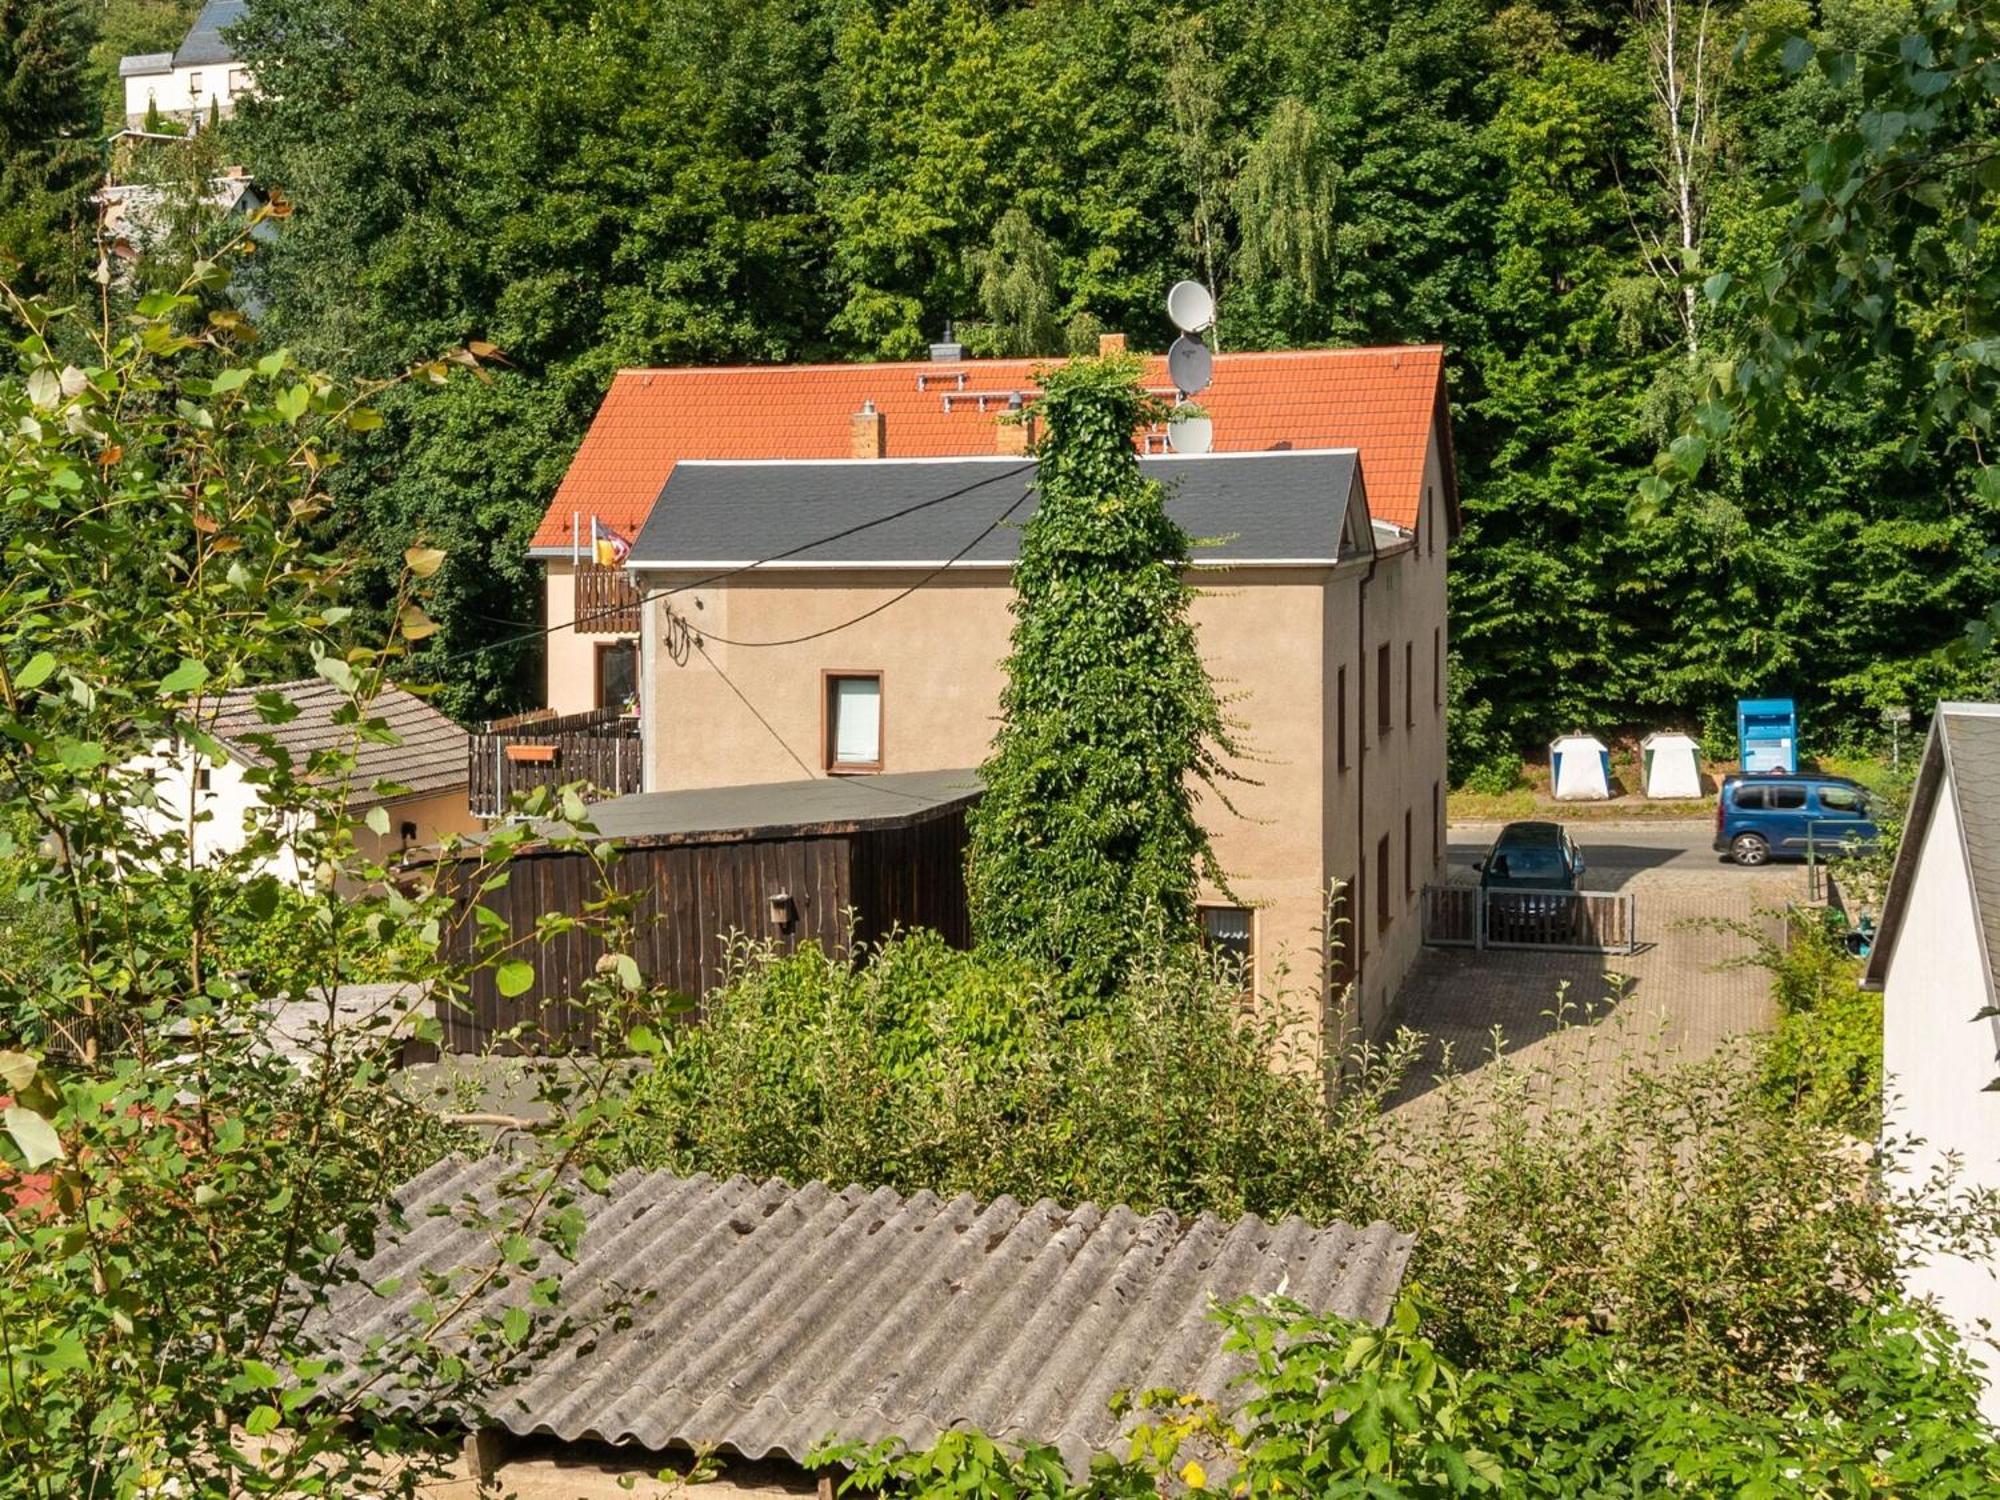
{"x":790,"y":862}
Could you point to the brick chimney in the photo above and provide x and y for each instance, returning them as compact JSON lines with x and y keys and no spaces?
{"x":1014,"y":434}
{"x":870,"y":430}
{"x":1109,"y":344}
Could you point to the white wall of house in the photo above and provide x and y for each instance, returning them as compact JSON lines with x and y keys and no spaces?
{"x":185,"y":93}
{"x":217,"y":817}
{"x":1938,"y":1061}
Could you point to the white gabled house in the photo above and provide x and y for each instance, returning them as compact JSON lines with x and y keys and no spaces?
{"x":1933,"y":961}
{"x":419,"y":782}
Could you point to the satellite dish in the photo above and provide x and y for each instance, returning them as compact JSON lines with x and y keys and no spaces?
{"x":1189,"y":430}
{"x":1190,"y":306}
{"x":1189,"y":365}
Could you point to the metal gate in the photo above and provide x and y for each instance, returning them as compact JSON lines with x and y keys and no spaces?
{"x":1467,"y":916}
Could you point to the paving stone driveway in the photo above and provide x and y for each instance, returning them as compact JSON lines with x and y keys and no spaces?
{"x":1678,"y":992}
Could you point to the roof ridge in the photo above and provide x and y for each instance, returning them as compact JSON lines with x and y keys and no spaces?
{"x":996,"y":362}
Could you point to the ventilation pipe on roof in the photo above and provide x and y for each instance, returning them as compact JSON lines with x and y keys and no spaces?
{"x":947,"y":351}
{"x":1014,"y":434}
{"x":870,"y":431}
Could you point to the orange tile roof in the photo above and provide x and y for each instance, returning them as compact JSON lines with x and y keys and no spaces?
{"x":1384,"y":402}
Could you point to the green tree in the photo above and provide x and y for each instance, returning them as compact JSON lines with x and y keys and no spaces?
{"x":48,"y":159}
{"x":1086,"y":849}
{"x":1018,"y":295}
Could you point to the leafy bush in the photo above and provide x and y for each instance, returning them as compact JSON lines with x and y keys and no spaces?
{"x":1332,"y":1408}
{"x":1480,"y":755}
{"x":1825,"y":1059}
{"x":924,"y":1067}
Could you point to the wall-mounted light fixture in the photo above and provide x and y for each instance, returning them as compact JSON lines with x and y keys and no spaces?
{"x":783,"y":912}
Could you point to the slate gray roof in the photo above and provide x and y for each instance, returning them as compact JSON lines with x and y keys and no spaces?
{"x":204,"y":43}
{"x":779,"y":1317}
{"x":429,"y":755}
{"x":1261,"y":507}
{"x":1962,"y":759}
{"x":830,"y":804}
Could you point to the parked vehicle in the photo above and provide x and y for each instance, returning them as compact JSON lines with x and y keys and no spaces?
{"x":1783,"y":815}
{"x":1532,"y":857}
{"x":1525,"y":883}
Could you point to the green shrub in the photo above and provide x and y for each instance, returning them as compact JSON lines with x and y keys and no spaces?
{"x":1495,"y":777}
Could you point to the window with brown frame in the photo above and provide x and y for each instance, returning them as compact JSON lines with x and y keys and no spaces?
{"x":1230,"y":933}
{"x":1409,"y":684}
{"x":1430,"y":523}
{"x":1383,"y":717}
{"x":1340,"y":718}
{"x":1382,"y":917}
{"x":1409,"y":859}
{"x":1437,"y":823}
{"x":618,"y":675}
{"x":1437,"y":666}
{"x":852,"y":714}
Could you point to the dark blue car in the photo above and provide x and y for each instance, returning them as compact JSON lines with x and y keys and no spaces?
{"x":1765,"y":817}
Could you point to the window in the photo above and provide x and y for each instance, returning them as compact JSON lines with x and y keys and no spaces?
{"x":201,"y":778}
{"x":1430,"y":523}
{"x":1409,"y":684}
{"x":1750,"y":799}
{"x":618,"y":675}
{"x":1785,"y":798}
{"x":1437,"y":667}
{"x":1842,"y":799}
{"x":854,"y":721}
{"x":239,"y":81}
{"x":1340,"y":718}
{"x":1382,"y":717}
{"x":194,"y":85}
{"x":1409,"y":864}
{"x":1437,"y":823}
{"x":1382,"y":884}
{"x":1226,"y":931}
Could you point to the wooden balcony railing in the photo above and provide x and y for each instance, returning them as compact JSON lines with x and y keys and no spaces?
{"x":607,"y":601}
{"x":516,"y":755}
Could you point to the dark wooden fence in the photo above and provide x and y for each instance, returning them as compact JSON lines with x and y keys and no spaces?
{"x":512,"y":756}
{"x":606,"y":600}
{"x":698,"y":898}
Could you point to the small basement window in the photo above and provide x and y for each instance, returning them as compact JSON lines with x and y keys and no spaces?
{"x":1227,"y":932}
{"x":853,"y":721}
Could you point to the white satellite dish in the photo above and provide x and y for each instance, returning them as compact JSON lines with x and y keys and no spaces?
{"x":1190,"y":306}
{"x":1190,"y":366}
{"x":1190,"y":429}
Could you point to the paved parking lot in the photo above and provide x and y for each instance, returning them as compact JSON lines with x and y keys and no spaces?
{"x":1679,"y":992}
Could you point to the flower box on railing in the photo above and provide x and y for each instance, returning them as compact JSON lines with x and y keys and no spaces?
{"x":537,"y":754}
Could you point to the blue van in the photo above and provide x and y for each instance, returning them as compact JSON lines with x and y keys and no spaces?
{"x":1785,"y":816}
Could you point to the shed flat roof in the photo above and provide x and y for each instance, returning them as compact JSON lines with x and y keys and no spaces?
{"x":1285,"y":508}
{"x":827,"y":804}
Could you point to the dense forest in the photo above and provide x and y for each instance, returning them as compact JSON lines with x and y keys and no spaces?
{"x":1547,"y":189}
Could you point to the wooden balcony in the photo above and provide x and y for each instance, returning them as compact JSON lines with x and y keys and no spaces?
{"x":511,"y":756}
{"x":607,"y":601}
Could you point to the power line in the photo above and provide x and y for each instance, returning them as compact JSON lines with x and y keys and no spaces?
{"x":931,"y":577}
{"x":713,"y":578}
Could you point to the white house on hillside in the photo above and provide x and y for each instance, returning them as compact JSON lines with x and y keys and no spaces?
{"x":198,"y":78}
{"x":1933,"y":961}
{"x":419,"y":782}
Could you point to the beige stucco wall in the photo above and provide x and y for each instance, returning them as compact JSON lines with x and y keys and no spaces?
{"x":435,"y":816}
{"x":1937,"y":1059}
{"x":570,"y":660}
{"x":739,"y":712}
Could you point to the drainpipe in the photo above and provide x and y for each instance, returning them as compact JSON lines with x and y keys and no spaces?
{"x":1361,"y":774}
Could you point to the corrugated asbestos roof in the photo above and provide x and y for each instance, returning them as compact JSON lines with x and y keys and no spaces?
{"x":1961,"y":760}
{"x":429,"y":756}
{"x":1261,"y":507}
{"x":1385,"y":402}
{"x":780,"y":1317}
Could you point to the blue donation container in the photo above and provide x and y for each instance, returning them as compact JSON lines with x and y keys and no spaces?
{"x":1767,"y":734}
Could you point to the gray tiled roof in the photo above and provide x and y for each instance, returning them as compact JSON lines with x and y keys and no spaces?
{"x":779,"y":1317}
{"x":204,"y":43}
{"x":1261,"y":507}
{"x":429,"y":756}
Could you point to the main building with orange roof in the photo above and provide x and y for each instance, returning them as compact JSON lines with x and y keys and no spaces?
{"x":837,"y":541}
